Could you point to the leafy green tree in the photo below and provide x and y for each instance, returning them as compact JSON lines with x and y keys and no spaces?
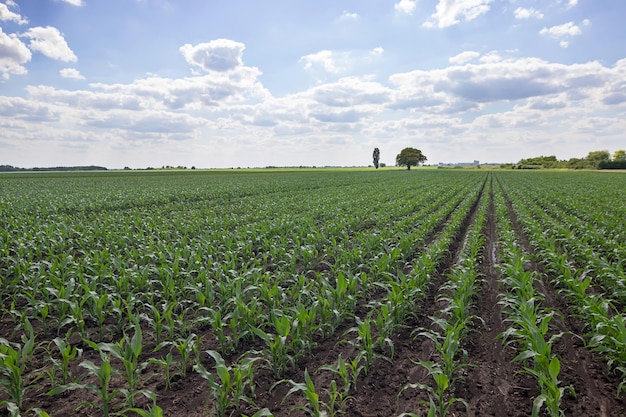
{"x":596,"y":157}
{"x":410,"y":157}
{"x":619,"y":155}
{"x":376,"y":157}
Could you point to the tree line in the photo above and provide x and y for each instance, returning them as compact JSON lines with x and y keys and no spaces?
{"x":11,"y":168}
{"x":594,"y":160}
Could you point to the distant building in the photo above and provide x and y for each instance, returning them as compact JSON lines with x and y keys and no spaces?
{"x":459,"y":164}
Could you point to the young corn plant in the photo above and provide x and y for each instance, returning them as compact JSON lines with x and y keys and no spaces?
{"x":279,"y":345}
{"x":103,"y":374}
{"x":166,"y":363}
{"x":337,"y":399}
{"x":448,"y":346}
{"x":438,"y":403}
{"x":76,"y":317}
{"x":219,"y":324}
{"x":313,"y":406}
{"x":342,"y":370}
{"x":363,"y":341}
{"x":127,"y":351}
{"x":186,"y":347}
{"x":232,"y":384}
{"x":14,"y":359}
{"x":61,"y":365}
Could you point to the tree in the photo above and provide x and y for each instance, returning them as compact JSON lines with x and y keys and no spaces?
{"x":619,"y":155}
{"x":410,"y":157}
{"x":376,"y":157}
{"x":595,"y":157}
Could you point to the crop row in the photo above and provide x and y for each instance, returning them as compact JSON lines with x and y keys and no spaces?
{"x":574,"y":270}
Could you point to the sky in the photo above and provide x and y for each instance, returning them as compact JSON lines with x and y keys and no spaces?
{"x":243,"y":83}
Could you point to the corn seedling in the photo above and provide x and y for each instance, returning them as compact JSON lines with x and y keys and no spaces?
{"x":127,"y":351}
{"x":438,"y":403}
{"x":166,"y":363}
{"x":363,"y":341}
{"x":278,"y":345}
{"x":68,"y":353}
{"x":342,"y":370}
{"x":101,"y":388}
{"x":313,"y":407}
{"x":232,"y":382}
{"x":14,"y":359}
{"x":186,"y":347}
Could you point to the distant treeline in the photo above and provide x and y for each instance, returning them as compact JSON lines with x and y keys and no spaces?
{"x":594,"y":160}
{"x":10,"y":168}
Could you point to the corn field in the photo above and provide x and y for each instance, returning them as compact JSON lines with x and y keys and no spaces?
{"x":313,"y":293}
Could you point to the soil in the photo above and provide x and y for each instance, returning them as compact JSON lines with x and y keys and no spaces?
{"x":492,"y":385}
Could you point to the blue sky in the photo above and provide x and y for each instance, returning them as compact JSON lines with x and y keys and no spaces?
{"x":217,"y":83}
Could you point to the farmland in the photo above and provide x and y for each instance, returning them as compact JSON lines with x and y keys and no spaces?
{"x":313,"y":292}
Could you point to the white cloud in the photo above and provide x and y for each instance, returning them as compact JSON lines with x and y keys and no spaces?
{"x":22,"y":109}
{"x":572,"y":3}
{"x":566,"y":29}
{"x":50,"y":42}
{"x":527,"y":13}
{"x":462,"y":87}
{"x":217,"y":55}
{"x":377,"y":51}
{"x":7,"y":15}
{"x":148,"y":122}
{"x":564,"y":32}
{"x":463,"y":57}
{"x":71,"y":73}
{"x":491,"y":57}
{"x":350,"y":92}
{"x":405,"y":6}
{"x":348,"y":16}
{"x":13,"y":55}
{"x":450,"y":11}
{"x":73,"y":2}
{"x":211,"y":91}
{"x":329,"y":61}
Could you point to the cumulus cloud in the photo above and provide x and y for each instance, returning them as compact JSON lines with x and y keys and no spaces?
{"x":463,"y":57}
{"x":71,"y":73}
{"x":559,"y":31}
{"x":149,"y":122}
{"x":219,"y":55}
{"x":23,"y":109}
{"x":7,"y":15}
{"x":13,"y":55}
{"x":462,"y":87}
{"x":449,"y":12}
{"x":564,"y":32}
{"x":329,"y":61}
{"x":83,"y":99}
{"x":158,"y":93}
{"x":405,"y":6}
{"x":350,"y":92}
{"x":527,"y":13}
{"x":50,"y":42}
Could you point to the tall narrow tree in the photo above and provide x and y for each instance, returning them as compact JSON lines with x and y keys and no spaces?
{"x":376,"y":157}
